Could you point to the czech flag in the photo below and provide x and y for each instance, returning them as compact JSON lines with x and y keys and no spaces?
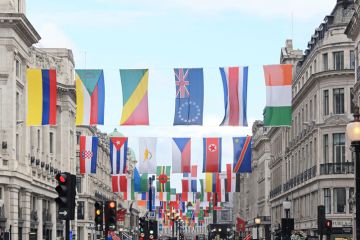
{"x":41,"y":97}
{"x":181,"y":155}
{"x":118,"y":154}
{"x":88,"y":154}
{"x":212,"y":155}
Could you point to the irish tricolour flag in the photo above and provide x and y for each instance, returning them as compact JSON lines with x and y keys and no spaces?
{"x":278,"y":80}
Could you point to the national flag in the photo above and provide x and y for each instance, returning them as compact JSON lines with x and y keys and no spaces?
{"x":142,"y":184}
{"x":163,"y":178}
{"x":189,"y":183}
{"x":240,"y":224}
{"x":278,"y":80}
{"x":134,"y":84}
{"x":41,"y":89}
{"x":212,"y":155}
{"x":204,"y":196}
{"x":181,"y":155}
{"x":90,"y":96}
{"x":189,"y":99}
{"x":188,"y":196}
{"x":235,"y":81}
{"x":212,"y":182}
{"x":88,"y":154}
{"x":233,"y":180}
{"x":147,"y":155}
{"x":242,"y":154}
{"x":142,"y":196}
{"x":118,"y":154}
{"x":119,"y":182}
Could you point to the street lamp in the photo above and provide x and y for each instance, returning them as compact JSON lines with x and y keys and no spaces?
{"x":287,"y":206}
{"x":172,"y":217}
{"x":257,"y":222}
{"x":353,"y":133}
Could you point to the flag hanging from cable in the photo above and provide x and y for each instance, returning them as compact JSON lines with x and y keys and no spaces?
{"x":242,"y":154}
{"x":212,"y":155}
{"x":189,"y":99}
{"x":181,"y":155}
{"x":235,"y":95}
{"x":134,"y":84}
{"x":88,"y":154}
{"x":41,"y":97}
{"x":163,"y":178}
{"x":118,"y":154}
{"x":90,"y":96}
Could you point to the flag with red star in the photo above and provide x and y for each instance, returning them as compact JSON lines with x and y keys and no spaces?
{"x":212,"y":155}
{"x":118,"y":154}
{"x":163,"y":178}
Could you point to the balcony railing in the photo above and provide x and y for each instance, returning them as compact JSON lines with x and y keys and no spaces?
{"x":337,"y":168}
{"x":300,"y":178}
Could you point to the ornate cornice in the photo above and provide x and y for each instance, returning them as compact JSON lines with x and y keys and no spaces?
{"x":21,"y":26}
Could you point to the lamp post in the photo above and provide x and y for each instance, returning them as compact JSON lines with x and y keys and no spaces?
{"x":172,"y":217}
{"x":287,"y":206}
{"x":353,"y":133}
{"x":257,"y":222}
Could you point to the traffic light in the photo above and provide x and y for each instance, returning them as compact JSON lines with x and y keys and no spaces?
{"x":153,"y":234}
{"x":143,"y":228}
{"x":99,"y":216}
{"x":66,"y":195}
{"x":110,"y":215}
{"x":321,"y":219}
{"x":328,"y":227}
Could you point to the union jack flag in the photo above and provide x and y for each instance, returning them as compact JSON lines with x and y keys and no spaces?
{"x":182,"y":82}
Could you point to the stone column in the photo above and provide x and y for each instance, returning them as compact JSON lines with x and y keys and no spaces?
{"x":53,"y":219}
{"x":14,"y":208}
{"x":39,"y":209}
{"x":26,"y":206}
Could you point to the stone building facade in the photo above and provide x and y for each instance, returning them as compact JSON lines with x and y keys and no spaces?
{"x":30,"y":157}
{"x":311,"y":163}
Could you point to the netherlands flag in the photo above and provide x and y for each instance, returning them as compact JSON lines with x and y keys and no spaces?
{"x":118,"y":154}
{"x":88,"y":154}
{"x":235,"y":81}
{"x":181,"y":155}
{"x":212,"y":155}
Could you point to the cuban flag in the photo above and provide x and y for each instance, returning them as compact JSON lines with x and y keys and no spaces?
{"x":88,"y":154}
{"x":189,"y":182}
{"x":235,"y":81}
{"x":189,"y":99}
{"x":181,"y":155}
{"x":212,"y":155}
{"x":242,"y":154}
{"x":118,"y":154}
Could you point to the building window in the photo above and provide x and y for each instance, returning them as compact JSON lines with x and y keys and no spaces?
{"x":17,"y":68}
{"x":1,"y":193}
{"x":352,"y":104}
{"x":351,"y":196}
{"x":78,"y":184}
{"x":311,"y":114}
{"x":80,"y":210}
{"x":78,"y":134}
{"x":352,"y":59}
{"x":311,"y":70}
{"x":38,"y":139}
{"x":338,"y":60}
{"x":327,"y":200}
{"x":315,"y":107}
{"x":51,"y":142}
{"x":325,"y":62}
{"x":17,"y":106}
{"x":339,"y":147}
{"x":339,"y":200}
{"x":315,"y":66}
{"x":326,"y":148}
{"x":17,"y":147}
{"x":326,"y":102}
{"x":338,"y":98}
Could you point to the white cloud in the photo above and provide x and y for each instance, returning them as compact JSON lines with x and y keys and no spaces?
{"x":53,"y":36}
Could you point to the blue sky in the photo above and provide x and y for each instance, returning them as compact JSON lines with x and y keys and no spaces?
{"x":165,"y":34}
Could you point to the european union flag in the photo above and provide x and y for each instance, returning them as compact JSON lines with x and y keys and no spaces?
{"x":189,"y":100}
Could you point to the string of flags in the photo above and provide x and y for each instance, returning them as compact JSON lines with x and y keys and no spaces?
{"x":189,"y":96}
